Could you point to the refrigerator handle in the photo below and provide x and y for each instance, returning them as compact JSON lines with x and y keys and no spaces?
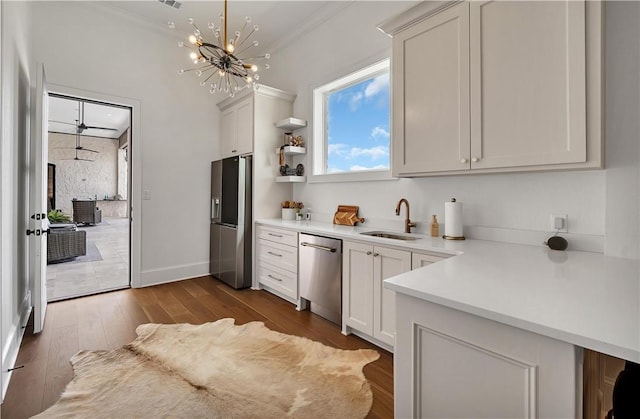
{"x":215,"y":208}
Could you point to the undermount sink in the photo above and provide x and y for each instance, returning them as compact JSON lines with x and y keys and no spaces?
{"x":388,"y":235}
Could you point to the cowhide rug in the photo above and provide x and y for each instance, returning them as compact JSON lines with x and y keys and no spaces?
{"x":217,"y":370}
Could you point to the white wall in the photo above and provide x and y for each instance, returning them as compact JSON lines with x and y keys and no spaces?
{"x":14,"y":145}
{"x":83,"y":179}
{"x":87,"y":46}
{"x":622,"y":99}
{"x":511,"y":207}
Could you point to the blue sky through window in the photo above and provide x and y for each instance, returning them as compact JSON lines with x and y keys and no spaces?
{"x":358,"y":126}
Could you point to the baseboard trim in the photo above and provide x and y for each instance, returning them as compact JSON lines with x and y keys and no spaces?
{"x":12,"y":345}
{"x":171,"y":274}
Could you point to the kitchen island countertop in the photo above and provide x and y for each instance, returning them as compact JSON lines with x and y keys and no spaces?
{"x":586,"y":299}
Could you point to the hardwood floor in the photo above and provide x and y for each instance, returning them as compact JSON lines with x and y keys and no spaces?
{"x":107,"y":321}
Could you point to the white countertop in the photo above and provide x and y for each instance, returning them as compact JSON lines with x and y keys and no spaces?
{"x":587,"y":299}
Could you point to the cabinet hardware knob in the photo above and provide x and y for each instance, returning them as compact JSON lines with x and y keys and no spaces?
{"x":376,"y":255}
{"x":474,"y":159}
{"x":368,"y":253}
{"x":464,"y":161}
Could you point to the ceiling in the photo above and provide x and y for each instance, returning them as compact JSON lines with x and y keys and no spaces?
{"x":279,"y":21}
{"x":64,"y":117}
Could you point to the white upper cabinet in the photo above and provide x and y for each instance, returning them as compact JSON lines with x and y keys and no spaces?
{"x":237,"y":128}
{"x":496,"y":86}
{"x":527,"y":83}
{"x":431,"y":93}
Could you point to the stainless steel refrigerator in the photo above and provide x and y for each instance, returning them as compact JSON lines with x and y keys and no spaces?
{"x":231,"y":219}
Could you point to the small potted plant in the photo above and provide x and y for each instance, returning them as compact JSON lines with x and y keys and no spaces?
{"x":57,"y":217}
{"x":290,"y":208}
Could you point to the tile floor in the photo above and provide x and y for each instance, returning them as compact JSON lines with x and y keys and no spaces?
{"x":69,"y":279}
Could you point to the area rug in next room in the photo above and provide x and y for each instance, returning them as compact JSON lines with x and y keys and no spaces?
{"x":217,"y":370}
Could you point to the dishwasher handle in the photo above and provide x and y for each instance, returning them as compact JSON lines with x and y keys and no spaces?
{"x":318,"y":246}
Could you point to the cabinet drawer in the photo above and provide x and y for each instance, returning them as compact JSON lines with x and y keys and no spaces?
{"x":287,"y":237}
{"x":278,"y":279}
{"x":283,"y":256}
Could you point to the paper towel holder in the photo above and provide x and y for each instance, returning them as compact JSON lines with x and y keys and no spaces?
{"x":453,"y":237}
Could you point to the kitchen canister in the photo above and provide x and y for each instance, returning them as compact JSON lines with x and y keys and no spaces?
{"x":453,"y":220}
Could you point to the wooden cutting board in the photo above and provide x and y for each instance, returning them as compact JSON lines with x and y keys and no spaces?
{"x":347,"y":215}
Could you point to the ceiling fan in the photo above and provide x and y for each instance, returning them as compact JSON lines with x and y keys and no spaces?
{"x":78,"y":147}
{"x":80,"y":125}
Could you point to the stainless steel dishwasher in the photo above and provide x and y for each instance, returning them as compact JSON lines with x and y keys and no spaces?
{"x":320,"y":270}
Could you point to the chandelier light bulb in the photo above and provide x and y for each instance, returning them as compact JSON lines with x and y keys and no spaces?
{"x":256,"y":43}
{"x":171,"y":25}
{"x":230,"y":47}
{"x":247,"y":19}
{"x":190,"y":20}
{"x":254,"y":68}
{"x":180,"y":44}
{"x":257,"y":77}
{"x":197,"y":32}
{"x":267,"y":66}
{"x":202,"y":83}
{"x":221,"y":73}
{"x":211,"y":26}
{"x":256,"y":27}
{"x":193,"y":56}
{"x":199,"y":73}
{"x":181,"y":71}
{"x":248,"y":79}
{"x":193,"y":39}
{"x":212,"y":91}
{"x":267,"y":56}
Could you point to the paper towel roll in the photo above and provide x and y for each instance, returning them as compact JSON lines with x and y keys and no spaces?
{"x":453,"y":220}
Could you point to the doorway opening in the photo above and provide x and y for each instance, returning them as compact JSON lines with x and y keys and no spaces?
{"x":88,"y":196}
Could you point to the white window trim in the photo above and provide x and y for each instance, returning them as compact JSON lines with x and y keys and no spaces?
{"x":318,"y":129}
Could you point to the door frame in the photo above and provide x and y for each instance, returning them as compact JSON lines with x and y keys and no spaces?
{"x":135,"y":170}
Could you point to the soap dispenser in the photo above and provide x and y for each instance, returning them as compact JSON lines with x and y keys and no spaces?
{"x":435,"y":231}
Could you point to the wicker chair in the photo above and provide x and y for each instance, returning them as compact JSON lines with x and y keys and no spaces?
{"x":86,"y":212}
{"x":65,"y":242}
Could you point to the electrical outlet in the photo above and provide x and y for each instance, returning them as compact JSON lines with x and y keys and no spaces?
{"x":559,"y":223}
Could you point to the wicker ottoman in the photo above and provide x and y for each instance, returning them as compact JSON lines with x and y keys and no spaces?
{"x":65,"y":243}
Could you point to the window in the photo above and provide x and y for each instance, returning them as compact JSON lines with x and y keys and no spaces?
{"x":351,"y":126}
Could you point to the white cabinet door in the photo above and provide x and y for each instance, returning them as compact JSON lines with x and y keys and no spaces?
{"x":244,"y":111}
{"x":357,"y":286}
{"x":229,"y":132}
{"x":386,"y":263}
{"x":237,"y":129}
{"x":528,"y":83}
{"x":418,"y":260}
{"x":431,"y":94}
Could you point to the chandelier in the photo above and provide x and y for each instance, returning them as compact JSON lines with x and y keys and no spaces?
{"x":220,"y":62}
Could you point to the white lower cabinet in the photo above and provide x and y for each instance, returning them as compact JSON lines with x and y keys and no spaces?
{"x":367,"y":306}
{"x":450,"y":364}
{"x":418,"y":260}
{"x":277,"y":261}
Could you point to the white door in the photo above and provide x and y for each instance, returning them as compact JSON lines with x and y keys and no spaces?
{"x":38,"y":203}
{"x":386,"y":263}
{"x":431,"y":94}
{"x":528,"y":77}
